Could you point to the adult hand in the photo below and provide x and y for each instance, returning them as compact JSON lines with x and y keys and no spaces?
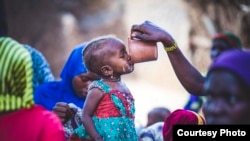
{"x":63,"y":111}
{"x":150,"y":32}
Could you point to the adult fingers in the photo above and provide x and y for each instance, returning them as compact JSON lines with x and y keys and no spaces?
{"x":61,"y":104}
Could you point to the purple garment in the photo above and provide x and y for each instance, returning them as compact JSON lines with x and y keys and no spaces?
{"x":48,"y":94}
{"x":235,"y":61}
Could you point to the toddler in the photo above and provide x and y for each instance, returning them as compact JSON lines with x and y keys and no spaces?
{"x":108,"y":113}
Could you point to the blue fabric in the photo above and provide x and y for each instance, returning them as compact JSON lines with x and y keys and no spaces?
{"x":41,"y":68}
{"x":194,"y":103}
{"x":48,"y":94}
{"x":74,"y":65}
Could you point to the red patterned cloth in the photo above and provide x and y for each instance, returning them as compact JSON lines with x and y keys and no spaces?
{"x":107,"y":107}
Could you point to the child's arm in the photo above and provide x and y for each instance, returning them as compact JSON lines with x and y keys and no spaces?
{"x":92,"y":100}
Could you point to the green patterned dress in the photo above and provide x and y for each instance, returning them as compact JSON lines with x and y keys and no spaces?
{"x":114,"y":117}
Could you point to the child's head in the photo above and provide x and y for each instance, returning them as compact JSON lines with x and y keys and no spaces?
{"x":157,"y":114}
{"x":227,"y":88}
{"x":107,"y":56}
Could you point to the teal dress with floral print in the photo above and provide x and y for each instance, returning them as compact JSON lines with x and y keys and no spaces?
{"x":114,"y":117}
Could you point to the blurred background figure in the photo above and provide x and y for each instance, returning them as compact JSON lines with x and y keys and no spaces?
{"x":228,"y":103}
{"x":221,"y":42}
{"x":153,"y":129}
{"x":17,"y":108}
{"x":157,"y":114}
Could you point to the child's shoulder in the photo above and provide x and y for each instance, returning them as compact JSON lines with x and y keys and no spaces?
{"x":100,"y":85}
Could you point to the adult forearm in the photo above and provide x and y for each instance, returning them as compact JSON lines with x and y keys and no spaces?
{"x":187,"y":74}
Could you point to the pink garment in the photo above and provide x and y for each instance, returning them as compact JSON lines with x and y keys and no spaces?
{"x":34,"y":124}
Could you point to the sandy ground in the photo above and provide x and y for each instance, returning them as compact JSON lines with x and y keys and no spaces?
{"x":154,"y":83}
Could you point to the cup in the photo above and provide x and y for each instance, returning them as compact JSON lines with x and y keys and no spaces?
{"x":142,"y":51}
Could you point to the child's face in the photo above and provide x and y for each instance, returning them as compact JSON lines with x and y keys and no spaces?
{"x":227,"y":101}
{"x":118,"y":58}
{"x":81,"y":82}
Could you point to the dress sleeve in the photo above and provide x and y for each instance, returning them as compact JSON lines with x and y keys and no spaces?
{"x":100,"y":85}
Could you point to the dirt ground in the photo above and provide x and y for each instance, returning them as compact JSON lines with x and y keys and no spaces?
{"x":154,"y":83}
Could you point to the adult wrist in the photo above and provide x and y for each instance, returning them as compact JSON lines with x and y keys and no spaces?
{"x":171,"y":48}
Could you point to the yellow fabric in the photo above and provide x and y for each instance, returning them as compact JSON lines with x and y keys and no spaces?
{"x":199,"y":118}
{"x":16,"y":75}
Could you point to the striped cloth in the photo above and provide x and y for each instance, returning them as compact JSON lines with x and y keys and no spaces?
{"x":16,"y":75}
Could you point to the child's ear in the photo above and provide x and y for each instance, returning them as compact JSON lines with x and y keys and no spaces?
{"x":106,"y":70}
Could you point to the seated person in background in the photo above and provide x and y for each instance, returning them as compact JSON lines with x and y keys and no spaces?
{"x":183,"y":117}
{"x":69,"y":93}
{"x":20,"y":118}
{"x":221,"y":42}
{"x":227,"y":87}
{"x":153,"y":129}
